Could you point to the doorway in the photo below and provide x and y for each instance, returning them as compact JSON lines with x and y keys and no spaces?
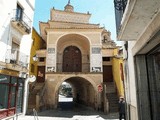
{"x":41,"y":74}
{"x":72,"y":59}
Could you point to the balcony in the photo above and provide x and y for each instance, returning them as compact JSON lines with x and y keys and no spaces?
{"x":41,"y":53}
{"x":120,"y":6}
{"x":21,"y":22}
{"x":16,"y":60}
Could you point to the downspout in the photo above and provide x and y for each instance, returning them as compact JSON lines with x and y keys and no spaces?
{"x":31,"y":78}
{"x":26,"y":89}
{"x":126,"y":70}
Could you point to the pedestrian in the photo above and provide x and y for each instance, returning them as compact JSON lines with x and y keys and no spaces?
{"x":122,"y":108}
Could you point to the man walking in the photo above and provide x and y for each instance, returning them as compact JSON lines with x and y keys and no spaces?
{"x":122,"y":109}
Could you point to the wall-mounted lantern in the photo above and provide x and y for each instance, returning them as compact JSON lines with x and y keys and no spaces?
{"x":35,"y":58}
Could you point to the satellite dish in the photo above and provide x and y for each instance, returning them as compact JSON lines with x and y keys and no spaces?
{"x":32,"y":78}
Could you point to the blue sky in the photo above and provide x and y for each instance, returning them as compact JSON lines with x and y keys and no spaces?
{"x":102,"y":12}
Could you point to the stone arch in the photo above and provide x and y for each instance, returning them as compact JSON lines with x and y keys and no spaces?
{"x":73,"y":44}
{"x":79,"y":34}
{"x":80,"y":39}
{"x":87,"y":79}
{"x":80,"y":42}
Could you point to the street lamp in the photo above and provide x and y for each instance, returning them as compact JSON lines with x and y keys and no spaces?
{"x":35,"y":58}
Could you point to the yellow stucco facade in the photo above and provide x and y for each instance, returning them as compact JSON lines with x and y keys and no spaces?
{"x":37,"y":44}
{"x":117,"y":67}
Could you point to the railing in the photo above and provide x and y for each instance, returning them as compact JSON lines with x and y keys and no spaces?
{"x":16,"y":57}
{"x":120,"y":6}
{"x":23,"y":19}
{"x":35,"y":114}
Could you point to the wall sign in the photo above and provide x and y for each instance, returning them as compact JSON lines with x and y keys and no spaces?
{"x":50,"y":69}
{"x":96,"y":50}
{"x":51,"y":50}
{"x":96,"y":69}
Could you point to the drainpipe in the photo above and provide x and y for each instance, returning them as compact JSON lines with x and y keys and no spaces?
{"x":126,"y":83}
{"x":31,"y":78}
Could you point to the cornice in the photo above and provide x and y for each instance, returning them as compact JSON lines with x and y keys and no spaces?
{"x":62,"y":11}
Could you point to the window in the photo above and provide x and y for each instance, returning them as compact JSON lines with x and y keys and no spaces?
{"x":41,"y":59}
{"x":104,"y":39}
{"x":14,"y":51}
{"x":13,"y":86}
{"x":15,"y":45}
{"x":19,"y":13}
{"x":3,"y":96}
{"x":4,"y":86}
{"x":20,"y":95}
{"x":106,"y":58}
{"x":11,"y":95}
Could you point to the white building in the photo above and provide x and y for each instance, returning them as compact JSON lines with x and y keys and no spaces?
{"x":16,"y":18}
{"x":139,"y":28}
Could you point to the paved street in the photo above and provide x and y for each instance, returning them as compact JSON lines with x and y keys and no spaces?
{"x":71,"y":115}
{"x":78,"y":112}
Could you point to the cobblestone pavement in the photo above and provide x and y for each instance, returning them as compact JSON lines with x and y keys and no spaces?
{"x":75,"y":114}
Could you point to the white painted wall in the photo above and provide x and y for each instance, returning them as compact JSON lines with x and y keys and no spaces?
{"x":131,"y":75}
{"x":130,"y":85}
{"x":7,"y":32}
{"x":5,"y":15}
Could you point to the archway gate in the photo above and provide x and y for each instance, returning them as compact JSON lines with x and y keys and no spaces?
{"x":82,"y":82}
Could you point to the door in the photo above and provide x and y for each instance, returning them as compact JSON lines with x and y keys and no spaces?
{"x":107,"y":74}
{"x":41,"y":74}
{"x":72,"y":59}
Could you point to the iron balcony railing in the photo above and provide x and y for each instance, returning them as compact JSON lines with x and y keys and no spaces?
{"x":16,"y":57}
{"x":120,"y":6}
{"x":23,"y":19}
